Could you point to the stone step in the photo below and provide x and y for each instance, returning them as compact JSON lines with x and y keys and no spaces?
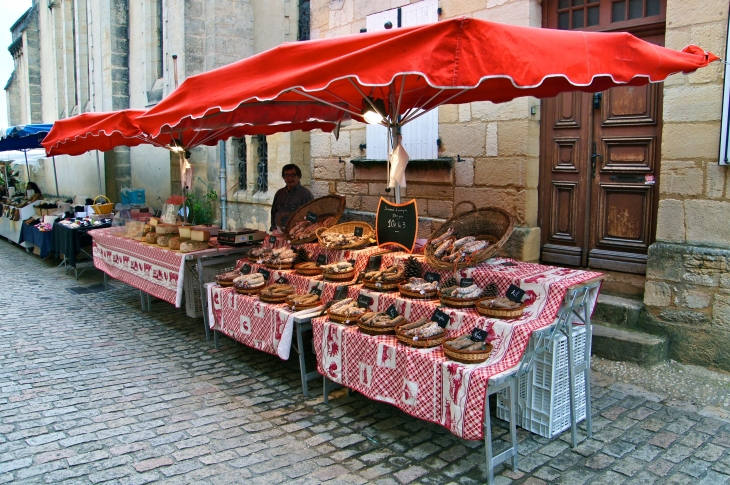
{"x":624,"y":345}
{"x":618,"y":311}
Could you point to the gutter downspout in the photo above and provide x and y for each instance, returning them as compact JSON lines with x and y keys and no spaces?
{"x":224,"y":209}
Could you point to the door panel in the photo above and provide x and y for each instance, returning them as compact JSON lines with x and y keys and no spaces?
{"x":629,"y":154}
{"x":630,"y":105}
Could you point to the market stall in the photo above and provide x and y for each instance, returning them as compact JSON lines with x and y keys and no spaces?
{"x":71,"y":238}
{"x":39,"y":236}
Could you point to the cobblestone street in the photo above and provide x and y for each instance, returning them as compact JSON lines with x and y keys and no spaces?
{"x":93,"y":390}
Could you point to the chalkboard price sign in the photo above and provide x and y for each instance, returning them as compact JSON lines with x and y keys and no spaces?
{"x":441,"y":318}
{"x":264,"y":273}
{"x":282,"y":281}
{"x":515,"y":293}
{"x":431,"y":277}
{"x":312,"y":217}
{"x":321,"y":259}
{"x":397,"y":224}
{"x":374,"y":262}
{"x":272,"y":240}
{"x":364,"y":301}
{"x":358,"y":232}
{"x":316,"y":291}
{"x":466,"y":282}
{"x":391,"y":311}
{"x":340,"y":293}
{"x":478,"y":335}
{"x":246,"y":269}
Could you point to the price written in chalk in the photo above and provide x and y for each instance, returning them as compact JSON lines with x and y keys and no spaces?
{"x":246,"y":269}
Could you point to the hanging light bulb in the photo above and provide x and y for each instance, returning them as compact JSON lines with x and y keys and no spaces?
{"x":373,"y":116}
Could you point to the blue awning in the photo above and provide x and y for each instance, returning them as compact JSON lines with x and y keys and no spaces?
{"x":24,"y":137}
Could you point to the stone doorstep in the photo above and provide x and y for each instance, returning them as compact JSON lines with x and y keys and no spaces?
{"x":628,"y":345}
{"x":618,"y":311}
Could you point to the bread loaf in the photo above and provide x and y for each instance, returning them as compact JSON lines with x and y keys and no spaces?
{"x":151,"y":237}
{"x":163,"y":239}
{"x":190,"y":246}
{"x":185,"y":231}
{"x":175,"y":242}
{"x":199,"y":236}
{"x":166,"y":229}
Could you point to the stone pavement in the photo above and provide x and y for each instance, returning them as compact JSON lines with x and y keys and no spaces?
{"x":93,"y":390}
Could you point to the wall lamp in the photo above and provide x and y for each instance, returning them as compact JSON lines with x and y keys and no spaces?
{"x":373,"y":116}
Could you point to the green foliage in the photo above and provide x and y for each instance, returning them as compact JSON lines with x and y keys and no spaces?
{"x":202,"y":209}
{"x":12,"y":177}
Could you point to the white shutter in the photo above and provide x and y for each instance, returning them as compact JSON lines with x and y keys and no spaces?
{"x":376,"y":136}
{"x":419,"y":136}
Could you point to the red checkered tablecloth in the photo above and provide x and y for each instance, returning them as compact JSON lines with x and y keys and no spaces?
{"x":263,"y":326}
{"x":152,"y":269}
{"x":423,"y":382}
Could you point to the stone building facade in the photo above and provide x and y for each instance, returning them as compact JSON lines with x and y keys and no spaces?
{"x":490,"y":155}
{"x":75,"y":56}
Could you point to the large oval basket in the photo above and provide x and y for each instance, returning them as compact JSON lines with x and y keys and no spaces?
{"x":348,"y":228}
{"x":327,"y":206}
{"x":491,"y":224}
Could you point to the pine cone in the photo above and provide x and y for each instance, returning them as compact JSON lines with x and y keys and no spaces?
{"x":491,"y":290}
{"x":449,"y":283}
{"x":412,"y":268}
{"x":302,"y":256}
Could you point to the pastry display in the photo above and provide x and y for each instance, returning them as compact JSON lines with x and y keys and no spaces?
{"x":345,"y":311}
{"x":249,"y":283}
{"x":450,"y":249}
{"x":276,"y":293}
{"x":337,"y":240}
{"x":308,"y":269}
{"x":338,"y":271}
{"x":282,"y":257}
{"x":226,"y":279}
{"x":302,"y":302}
{"x":464,"y":349}
{"x":307,"y":229}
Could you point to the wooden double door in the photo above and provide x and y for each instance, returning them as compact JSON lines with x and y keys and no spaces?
{"x":599,"y":175}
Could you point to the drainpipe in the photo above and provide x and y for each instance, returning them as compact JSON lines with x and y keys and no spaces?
{"x":224,"y":218}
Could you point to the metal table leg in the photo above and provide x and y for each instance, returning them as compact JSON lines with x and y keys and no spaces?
{"x":300,"y":328}
{"x":493,"y":387}
{"x":203,"y":299}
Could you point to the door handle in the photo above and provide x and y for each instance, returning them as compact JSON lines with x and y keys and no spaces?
{"x":594,"y":156}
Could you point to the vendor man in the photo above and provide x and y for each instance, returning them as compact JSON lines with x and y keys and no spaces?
{"x":288,"y":198}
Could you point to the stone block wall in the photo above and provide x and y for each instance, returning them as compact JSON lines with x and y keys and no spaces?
{"x":687,"y":293}
{"x":497,"y":144}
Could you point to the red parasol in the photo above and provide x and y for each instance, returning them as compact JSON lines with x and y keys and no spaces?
{"x":454,"y":61}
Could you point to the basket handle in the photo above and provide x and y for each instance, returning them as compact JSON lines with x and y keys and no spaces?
{"x":107,"y":199}
{"x":473,"y":207}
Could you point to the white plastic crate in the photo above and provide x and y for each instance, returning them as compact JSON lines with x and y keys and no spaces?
{"x":543,"y":393}
{"x":191,"y":284}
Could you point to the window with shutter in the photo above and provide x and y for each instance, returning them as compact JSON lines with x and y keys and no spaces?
{"x":419,"y":136}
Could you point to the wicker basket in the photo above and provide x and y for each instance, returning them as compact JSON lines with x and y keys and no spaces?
{"x":421,"y":343}
{"x":345,"y":319}
{"x":427,"y":295}
{"x":105,"y":208}
{"x":458,"y":302}
{"x":490,"y":224}
{"x":381,"y":285}
{"x":250,"y":291}
{"x":467,"y":357}
{"x":307,"y":271}
{"x":346,"y":276}
{"x":298,"y":307}
{"x":279,"y":266}
{"x":499,"y":312}
{"x":272,"y":299}
{"x":225,"y":284}
{"x":327,"y":206}
{"x":375,"y":331}
{"x":348,"y":228}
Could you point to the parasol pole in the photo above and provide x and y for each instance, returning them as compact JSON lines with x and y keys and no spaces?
{"x":25,"y":152}
{"x":98,"y":173}
{"x":394,"y":128}
{"x":7,"y":182}
{"x":55,"y":176}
